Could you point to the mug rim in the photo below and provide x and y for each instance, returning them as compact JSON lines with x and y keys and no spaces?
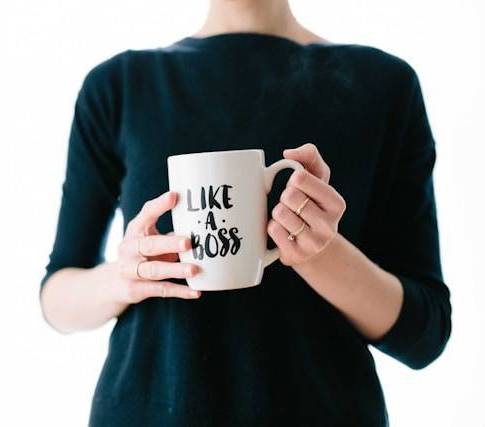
{"x":197,"y":153}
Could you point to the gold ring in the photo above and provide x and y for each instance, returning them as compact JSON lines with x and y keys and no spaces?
{"x":293,"y":235}
{"x":300,"y":208}
{"x":137,"y":272}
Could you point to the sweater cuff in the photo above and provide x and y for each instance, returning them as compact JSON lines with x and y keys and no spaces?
{"x":401,"y":341}
{"x":47,"y":275}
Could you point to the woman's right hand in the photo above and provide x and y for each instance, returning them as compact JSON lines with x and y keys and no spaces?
{"x":148,"y":259}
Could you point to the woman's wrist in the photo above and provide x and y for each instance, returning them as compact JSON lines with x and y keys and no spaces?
{"x":312,"y":265}
{"x":108,"y":291}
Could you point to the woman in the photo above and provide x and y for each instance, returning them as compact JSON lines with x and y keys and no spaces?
{"x":295,"y":349}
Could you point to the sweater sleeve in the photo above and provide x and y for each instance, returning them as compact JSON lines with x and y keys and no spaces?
{"x":407,"y":243}
{"x":93,"y":173}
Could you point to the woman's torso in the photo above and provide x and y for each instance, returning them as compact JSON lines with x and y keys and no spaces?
{"x":276,"y":352}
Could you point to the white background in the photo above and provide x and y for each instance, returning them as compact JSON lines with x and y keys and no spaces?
{"x":48,"y":46}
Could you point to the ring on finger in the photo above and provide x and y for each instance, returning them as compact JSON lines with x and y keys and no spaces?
{"x":300,"y":208}
{"x":138,"y":270}
{"x":293,"y":234}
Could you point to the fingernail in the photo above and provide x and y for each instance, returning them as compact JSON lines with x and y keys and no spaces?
{"x":192,"y":270}
{"x":184,"y":244}
{"x":194,"y":293}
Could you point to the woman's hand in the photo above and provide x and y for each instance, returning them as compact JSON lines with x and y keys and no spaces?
{"x":146,"y":258}
{"x":320,"y":215}
{"x":76,"y":299}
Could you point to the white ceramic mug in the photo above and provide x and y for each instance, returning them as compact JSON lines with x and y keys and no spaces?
{"x":222,"y":207}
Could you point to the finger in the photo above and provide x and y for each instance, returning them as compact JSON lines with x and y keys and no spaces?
{"x":155,"y":245}
{"x":309,"y":156}
{"x":280,"y":236}
{"x":307,"y":239}
{"x":140,"y":290}
{"x":170,"y":257}
{"x":152,"y":209}
{"x":322,"y":193}
{"x":159,"y":270}
{"x":153,"y":229}
{"x":312,"y":214}
{"x":286,"y":217}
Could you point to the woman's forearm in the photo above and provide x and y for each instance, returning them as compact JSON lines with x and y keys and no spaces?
{"x":75,"y":299}
{"x":367,"y":295}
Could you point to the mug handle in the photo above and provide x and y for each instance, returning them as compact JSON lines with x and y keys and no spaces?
{"x":270,"y":172}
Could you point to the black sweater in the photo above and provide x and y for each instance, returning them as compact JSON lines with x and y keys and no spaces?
{"x":277,"y":352}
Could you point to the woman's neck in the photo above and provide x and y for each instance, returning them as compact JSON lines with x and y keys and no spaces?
{"x":268,"y":17}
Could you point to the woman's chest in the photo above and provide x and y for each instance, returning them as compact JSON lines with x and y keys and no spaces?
{"x":348,"y":145}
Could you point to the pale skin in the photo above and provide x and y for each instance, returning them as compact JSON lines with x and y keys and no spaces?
{"x":75,"y":299}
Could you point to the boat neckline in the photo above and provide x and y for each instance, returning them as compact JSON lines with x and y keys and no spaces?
{"x":247,"y":35}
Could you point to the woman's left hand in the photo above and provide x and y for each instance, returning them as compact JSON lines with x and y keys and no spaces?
{"x":320,"y":215}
